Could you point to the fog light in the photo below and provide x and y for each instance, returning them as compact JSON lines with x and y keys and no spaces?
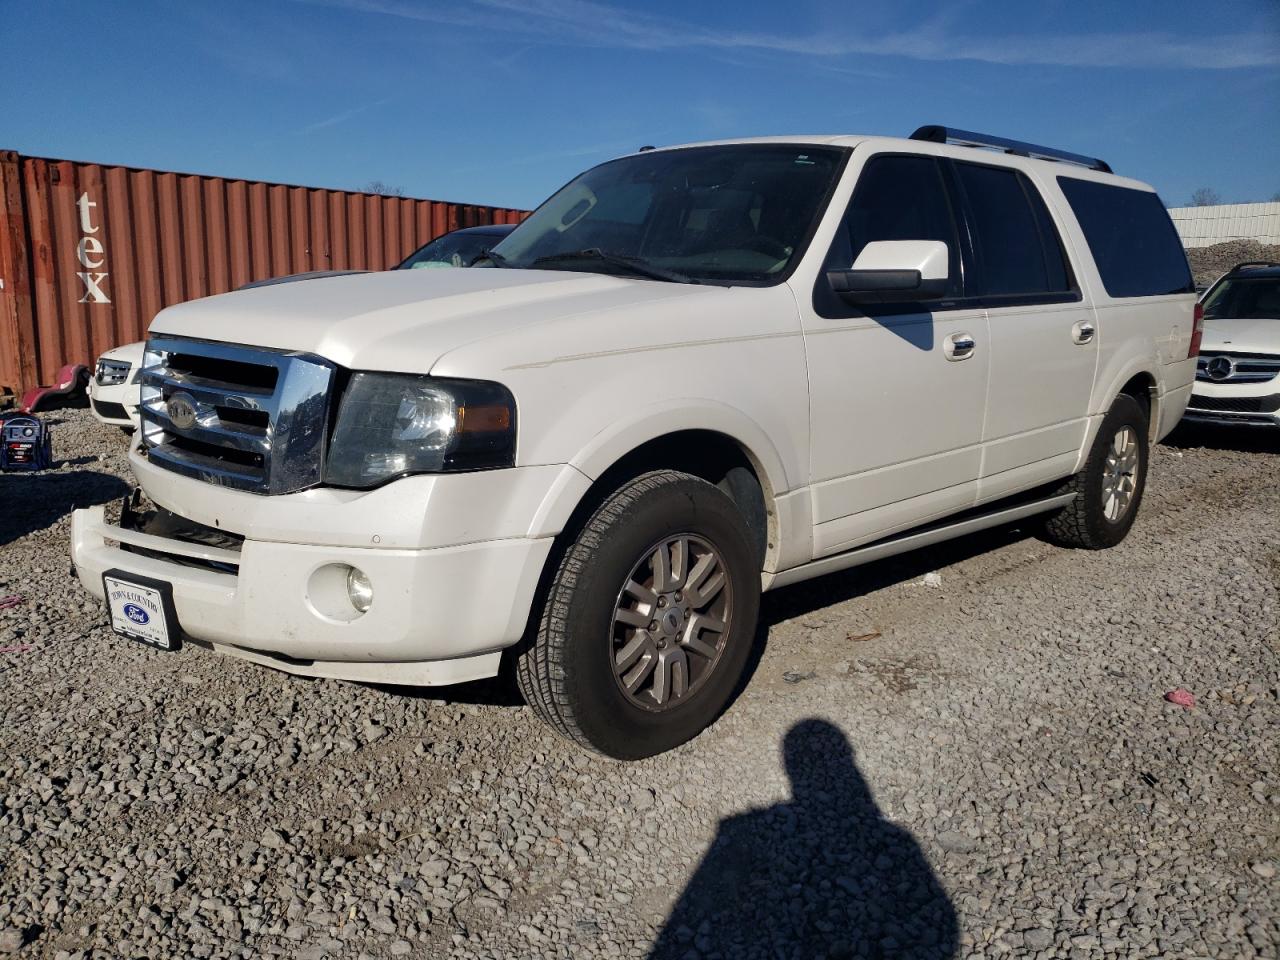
{"x":359,"y":589}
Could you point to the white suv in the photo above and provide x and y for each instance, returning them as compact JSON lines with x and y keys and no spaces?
{"x":1238,"y":375}
{"x":691,"y":375}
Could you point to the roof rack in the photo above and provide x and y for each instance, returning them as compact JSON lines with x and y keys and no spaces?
{"x":1253,"y":263}
{"x":967,"y":138}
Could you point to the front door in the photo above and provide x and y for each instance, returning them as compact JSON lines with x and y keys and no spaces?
{"x":896,"y":410}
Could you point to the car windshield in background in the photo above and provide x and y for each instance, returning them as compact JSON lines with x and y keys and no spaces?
{"x":458,"y":249}
{"x":739,"y":214}
{"x":1245,"y":298}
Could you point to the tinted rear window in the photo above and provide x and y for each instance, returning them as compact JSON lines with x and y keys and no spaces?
{"x":1132,"y":239}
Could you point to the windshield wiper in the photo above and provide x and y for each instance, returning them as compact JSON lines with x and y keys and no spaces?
{"x":635,"y":264}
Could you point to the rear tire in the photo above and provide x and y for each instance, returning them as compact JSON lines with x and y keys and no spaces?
{"x":1109,"y":489}
{"x":648,"y":621}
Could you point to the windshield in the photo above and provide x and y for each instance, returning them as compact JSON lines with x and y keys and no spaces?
{"x":739,"y":214}
{"x":1244,"y":298}
{"x":451,"y":250}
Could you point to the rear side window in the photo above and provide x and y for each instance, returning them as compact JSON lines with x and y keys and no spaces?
{"x":1132,"y":239}
{"x":1018,"y":246}
{"x":898,"y":198}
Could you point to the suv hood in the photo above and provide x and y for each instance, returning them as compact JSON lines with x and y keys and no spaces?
{"x":404,"y":320}
{"x":1241,"y":336}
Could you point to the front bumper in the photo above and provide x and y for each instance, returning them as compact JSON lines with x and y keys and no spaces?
{"x":460,"y":605}
{"x":1228,"y":404}
{"x":116,"y":404}
{"x":454,"y":562}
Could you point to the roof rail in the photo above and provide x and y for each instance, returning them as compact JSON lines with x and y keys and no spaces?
{"x":967,"y":138}
{"x":1253,"y":263}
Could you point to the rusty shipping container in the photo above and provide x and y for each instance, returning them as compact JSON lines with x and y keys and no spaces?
{"x":90,"y":252}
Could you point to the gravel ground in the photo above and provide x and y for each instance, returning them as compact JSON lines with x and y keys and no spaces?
{"x":973,"y":764}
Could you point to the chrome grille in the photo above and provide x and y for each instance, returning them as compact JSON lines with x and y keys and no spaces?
{"x":1237,"y":367}
{"x":243,"y":417}
{"x":1236,"y":404}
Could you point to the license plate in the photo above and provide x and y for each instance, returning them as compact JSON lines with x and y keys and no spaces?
{"x":142,"y":609}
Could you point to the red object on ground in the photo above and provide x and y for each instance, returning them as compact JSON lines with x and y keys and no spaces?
{"x":72,"y":377}
{"x":10,"y":601}
{"x":1183,"y":698}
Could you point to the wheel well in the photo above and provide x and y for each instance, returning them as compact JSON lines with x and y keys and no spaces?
{"x":1142,"y":387}
{"x":715,"y":457}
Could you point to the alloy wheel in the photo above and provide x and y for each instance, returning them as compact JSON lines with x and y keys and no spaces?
{"x":671,"y":622}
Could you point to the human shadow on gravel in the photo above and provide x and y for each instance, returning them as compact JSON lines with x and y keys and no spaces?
{"x":824,"y":876}
{"x":33,"y":501}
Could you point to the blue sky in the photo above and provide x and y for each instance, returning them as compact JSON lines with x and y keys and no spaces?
{"x":501,"y":101}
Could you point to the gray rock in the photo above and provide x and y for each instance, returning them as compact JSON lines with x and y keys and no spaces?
{"x":1038,"y":938}
{"x":955,"y":842}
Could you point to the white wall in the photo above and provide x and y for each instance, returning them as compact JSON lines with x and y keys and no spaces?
{"x":1202,"y":226}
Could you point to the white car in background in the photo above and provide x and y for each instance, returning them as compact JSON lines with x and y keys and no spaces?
{"x":113,"y":388}
{"x":1238,"y":373}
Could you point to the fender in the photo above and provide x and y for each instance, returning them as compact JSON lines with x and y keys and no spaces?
{"x":1106,"y":390}
{"x":609,"y":446}
{"x":1109,"y":382}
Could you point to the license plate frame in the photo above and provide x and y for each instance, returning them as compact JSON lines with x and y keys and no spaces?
{"x":155,"y":623}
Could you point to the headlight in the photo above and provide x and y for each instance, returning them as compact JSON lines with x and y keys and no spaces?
{"x":111,"y":372}
{"x":393,"y":424}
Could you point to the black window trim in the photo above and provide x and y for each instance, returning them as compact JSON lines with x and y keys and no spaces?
{"x":997,"y":301}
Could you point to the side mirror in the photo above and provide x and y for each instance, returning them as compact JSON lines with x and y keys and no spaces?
{"x":889,"y":271}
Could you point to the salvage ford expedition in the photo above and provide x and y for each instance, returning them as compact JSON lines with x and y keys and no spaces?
{"x":691,"y":375}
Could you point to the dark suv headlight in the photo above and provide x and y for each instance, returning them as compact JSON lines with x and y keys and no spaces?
{"x":390,"y":425}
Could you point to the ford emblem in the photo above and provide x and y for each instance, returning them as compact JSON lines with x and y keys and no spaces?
{"x":136,"y":614}
{"x":181,"y":408}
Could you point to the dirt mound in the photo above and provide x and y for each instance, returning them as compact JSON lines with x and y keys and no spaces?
{"x":1209,"y":263}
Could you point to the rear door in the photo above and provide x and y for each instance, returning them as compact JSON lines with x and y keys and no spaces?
{"x":1043,"y":336}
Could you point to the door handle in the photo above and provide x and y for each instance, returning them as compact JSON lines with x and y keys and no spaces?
{"x":959,"y":346}
{"x":1082,"y":332}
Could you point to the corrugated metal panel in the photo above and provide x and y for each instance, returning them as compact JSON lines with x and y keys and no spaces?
{"x":1202,"y":226}
{"x":90,"y":253}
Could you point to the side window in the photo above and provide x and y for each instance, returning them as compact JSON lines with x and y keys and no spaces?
{"x":1132,"y":239}
{"x":1058,"y":268}
{"x":898,"y":198}
{"x":1018,"y":246}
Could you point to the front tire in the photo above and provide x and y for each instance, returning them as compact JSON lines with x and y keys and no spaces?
{"x":648,"y":621}
{"x":1109,"y":489}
